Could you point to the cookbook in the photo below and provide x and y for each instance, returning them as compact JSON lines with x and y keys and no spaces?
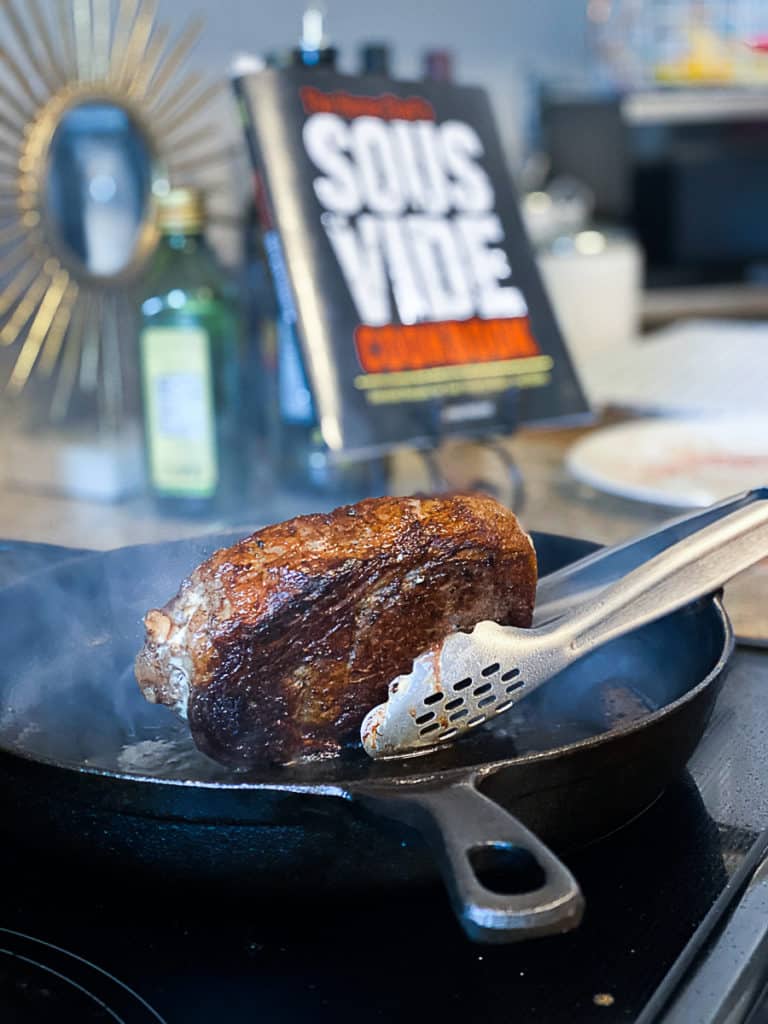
{"x":399,"y":256}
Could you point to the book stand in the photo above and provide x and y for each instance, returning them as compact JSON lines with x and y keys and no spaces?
{"x":510,"y":491}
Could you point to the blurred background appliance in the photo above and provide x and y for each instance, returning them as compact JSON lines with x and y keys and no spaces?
{"x":684,"y":169}
{"x":669,"y":132}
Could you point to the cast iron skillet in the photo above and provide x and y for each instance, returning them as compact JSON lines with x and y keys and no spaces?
{"x":92,"y":770}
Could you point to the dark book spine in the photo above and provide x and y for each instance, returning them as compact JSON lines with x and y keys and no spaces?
{"x":294,"y":396}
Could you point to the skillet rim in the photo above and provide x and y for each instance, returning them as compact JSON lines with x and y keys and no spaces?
{"x":346,"y":788}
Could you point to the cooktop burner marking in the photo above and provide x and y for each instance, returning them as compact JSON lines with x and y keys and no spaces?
{"x":87,"y":963}
{"x":63,"y":977}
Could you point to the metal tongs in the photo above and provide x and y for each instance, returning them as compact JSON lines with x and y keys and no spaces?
{"x":475,"y":676}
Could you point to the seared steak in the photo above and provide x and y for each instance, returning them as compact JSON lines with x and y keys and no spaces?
{"x":276,"y":647}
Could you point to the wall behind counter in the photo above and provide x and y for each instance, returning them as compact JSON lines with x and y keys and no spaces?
{"x":500,"y":44}
{"x":503,"y":45}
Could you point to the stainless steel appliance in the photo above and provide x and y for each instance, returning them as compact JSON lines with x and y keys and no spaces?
{"x":687,"y":171}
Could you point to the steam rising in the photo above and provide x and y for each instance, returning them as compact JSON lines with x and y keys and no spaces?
{"x":67,"y":690}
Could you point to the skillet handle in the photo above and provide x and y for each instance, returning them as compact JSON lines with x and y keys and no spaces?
{"x":465,"y":828}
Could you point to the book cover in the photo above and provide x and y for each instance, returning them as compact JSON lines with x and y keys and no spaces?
{"x":397,"y":246}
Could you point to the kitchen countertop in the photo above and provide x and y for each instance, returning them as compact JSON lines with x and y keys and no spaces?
{"x":554,"y":502}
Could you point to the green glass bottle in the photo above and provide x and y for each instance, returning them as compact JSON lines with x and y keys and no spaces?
{"x":189,"y":348}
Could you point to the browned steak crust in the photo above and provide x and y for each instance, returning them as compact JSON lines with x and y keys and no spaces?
{"x":280,"y":644}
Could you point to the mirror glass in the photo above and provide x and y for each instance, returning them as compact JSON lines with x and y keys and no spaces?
{"x":98,"y":186}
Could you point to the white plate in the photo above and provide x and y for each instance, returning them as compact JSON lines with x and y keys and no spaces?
{"x":683,"y":463}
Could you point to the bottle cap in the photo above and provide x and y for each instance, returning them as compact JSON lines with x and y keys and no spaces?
{"x":181,"y":210}
{"x":314,"y":50}
{"x":438,"y":65}
{"x":374,"y":59}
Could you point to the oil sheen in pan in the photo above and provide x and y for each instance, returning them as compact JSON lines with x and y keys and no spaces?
{"x":121,"y":732}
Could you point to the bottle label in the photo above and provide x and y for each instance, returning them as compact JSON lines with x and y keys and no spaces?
{"x":179,"y":410}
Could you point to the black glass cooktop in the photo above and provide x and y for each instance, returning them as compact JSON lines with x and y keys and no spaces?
{"x":77,"y":946}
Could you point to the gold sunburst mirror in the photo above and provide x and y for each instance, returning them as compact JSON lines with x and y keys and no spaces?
{"x":97,"y":116}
